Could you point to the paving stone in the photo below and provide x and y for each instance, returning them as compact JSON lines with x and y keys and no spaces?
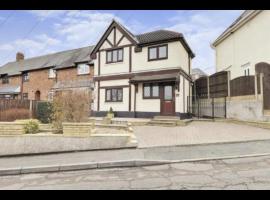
{"x":157,"y":167}
{"x":149,"y":183}
{"x":192,"y":166}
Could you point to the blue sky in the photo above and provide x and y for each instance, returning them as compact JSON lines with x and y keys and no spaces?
{"x":41,"y":32}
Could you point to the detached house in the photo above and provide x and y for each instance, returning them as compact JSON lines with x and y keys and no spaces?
{"x":39,"y":77}
{"x":142,"y":75}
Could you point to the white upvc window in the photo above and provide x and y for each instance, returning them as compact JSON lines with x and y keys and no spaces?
{"x":52,"y":73}
{"x":246,"y":68}
{"x":83,"y":68}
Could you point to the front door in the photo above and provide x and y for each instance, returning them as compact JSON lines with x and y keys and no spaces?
{"x":167,"y":99}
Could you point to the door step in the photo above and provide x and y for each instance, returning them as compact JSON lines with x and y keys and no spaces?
{"x":166,"y":118}
{"x":162,"y":123}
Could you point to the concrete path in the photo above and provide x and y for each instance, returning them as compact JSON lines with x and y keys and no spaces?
{"x":131,"y":157}
{"x":230,"y":174}
{"x":198,"y":133}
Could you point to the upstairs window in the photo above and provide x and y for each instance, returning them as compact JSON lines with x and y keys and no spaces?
{"x":83,"y":68}
{"x":158,"y":52}
{"x":52,"y":73}
{"x":246,"y":68}
{"x":114,"y":56}
{"x":25,"y":76}
{"x":5,"y":79}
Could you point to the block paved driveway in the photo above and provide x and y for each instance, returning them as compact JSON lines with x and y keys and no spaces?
{"x":241,"y":173}
{"x":198,"y":133}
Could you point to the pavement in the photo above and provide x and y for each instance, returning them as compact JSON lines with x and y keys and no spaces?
{"x":251,"y":173}
{"x":130,"y":157}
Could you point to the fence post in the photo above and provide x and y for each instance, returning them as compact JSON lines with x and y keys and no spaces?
{"x":213,"y":109}
{"x":198,"y":109}
{"x":208,"y":87}
{"x":256,"y":86}
{"x":229,"y":83}
{"x":31,"y":109}
{"x":225,"y":107}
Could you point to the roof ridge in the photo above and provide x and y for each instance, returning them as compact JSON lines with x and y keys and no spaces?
{"x":158,"y":31}
{"x":49,"y":54}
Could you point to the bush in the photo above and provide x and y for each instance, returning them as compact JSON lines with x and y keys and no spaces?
{"x":44,"y":112}
{"x":70,"y":106}
{"x":31,"y":126}
{"x":14,"y":114}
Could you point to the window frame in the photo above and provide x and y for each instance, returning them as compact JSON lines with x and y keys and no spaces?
{"x":157,"y":52}
{"x":54,"y":72}
{"x":25,"y":74}
{"x":111,"y":99}
{"x":23,"y":96}
{"x":151,"y":91}
{"x":85,"y":73}
{"x":5,"y":79}
{"x":117,"y":55}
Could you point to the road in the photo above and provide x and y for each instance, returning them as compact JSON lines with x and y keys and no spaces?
{"x":240,"y":173}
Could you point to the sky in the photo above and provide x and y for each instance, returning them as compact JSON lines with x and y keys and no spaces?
{"x":40,"y":32}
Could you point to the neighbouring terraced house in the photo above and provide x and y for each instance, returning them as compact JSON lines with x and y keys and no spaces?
{"x":39,"y":77}
{"x":142,"y":75}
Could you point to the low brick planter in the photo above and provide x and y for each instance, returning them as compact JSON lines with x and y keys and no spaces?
{"x":78,"y":129}
{"x":11,"y":128}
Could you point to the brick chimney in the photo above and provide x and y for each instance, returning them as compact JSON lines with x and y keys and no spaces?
{"x":19,"y":56}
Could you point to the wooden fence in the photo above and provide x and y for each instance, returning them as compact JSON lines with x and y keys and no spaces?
{"x":244,"y":85}
{"x":13,"y":109}
{"x":218,"y":85}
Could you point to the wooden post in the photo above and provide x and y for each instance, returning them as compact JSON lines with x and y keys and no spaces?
{"x":208,"y":87}
{"x":229,"y":83}
{"x":31,"y":109}
{"x":256,"y":86}
{"x":261,"y":85}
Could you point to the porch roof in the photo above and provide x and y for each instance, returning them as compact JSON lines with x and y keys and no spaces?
{"x":73,"y":84}
{"x":155,"y":78}
{"x":10,"y":90}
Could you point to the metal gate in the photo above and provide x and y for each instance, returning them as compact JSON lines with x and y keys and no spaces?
{"x":207,"y":107}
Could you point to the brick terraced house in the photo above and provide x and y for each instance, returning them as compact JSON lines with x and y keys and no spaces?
{"x":142,"y":75}
{"x":39,"y":77}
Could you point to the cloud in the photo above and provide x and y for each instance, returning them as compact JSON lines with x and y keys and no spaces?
{"x":44,"y":14}
{"x":200,"y":29}
{"x":40,"y":44}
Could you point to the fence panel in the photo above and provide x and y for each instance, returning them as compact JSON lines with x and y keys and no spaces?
{"x":243,"y":85}
{"x":201,"y":87}
{"x":12,"y":109}
{"x":218,"y":84}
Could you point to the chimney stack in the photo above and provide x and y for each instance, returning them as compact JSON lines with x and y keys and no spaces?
{"x":19,"y":56}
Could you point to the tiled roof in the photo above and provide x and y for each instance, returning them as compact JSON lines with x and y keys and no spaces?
{"x":58,"y":60}
{"x":10,"y":89}
{"x":157,"y":36}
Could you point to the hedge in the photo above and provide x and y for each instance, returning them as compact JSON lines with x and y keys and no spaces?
{"x":44,"y":112}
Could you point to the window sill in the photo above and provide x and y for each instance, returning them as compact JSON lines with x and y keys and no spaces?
{"x":157,"y":59}
{"x":113,"y":63}
{"x":113,"y":101}
{"x":83,"y":74}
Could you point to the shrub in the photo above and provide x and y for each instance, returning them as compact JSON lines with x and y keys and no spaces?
{"x":31,"y":126}
{"x":44,"y":112}
{"x":14,"y":114}
{"x":70,"y":106}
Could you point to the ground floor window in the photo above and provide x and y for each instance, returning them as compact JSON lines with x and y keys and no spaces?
{"x":150,"y":91}
{"x":25,"y":95}
{"x":114,"y":95}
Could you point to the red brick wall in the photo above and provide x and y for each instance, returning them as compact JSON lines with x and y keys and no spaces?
{"x":71,"y":74}
{"x":13,"y":81}
{"x":38,"y":81}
